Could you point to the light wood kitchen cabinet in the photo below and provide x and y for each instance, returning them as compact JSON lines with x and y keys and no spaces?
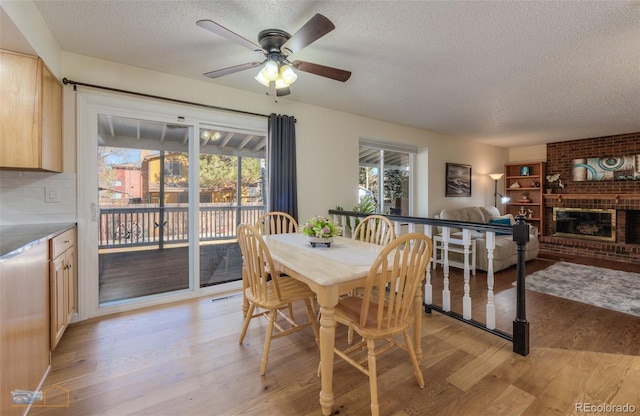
{"x":30,"y":114}
{"x":62,"y":284}
{"x":24,"y":323}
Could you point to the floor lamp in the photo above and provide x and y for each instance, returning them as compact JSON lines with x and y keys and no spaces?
{"x":496,"y":177}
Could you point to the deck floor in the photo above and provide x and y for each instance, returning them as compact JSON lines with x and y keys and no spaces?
{"x":128,"y":274}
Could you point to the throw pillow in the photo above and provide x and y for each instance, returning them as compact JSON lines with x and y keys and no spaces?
{"x":501,"y":221}
{"x":509,"y":216}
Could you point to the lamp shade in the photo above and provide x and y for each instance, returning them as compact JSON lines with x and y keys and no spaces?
{"x":288,"y":75}
{"x":281,"y":84}
{"x":262,"y":79}
{"x":270,"y":70}
{"x":496,"y":176}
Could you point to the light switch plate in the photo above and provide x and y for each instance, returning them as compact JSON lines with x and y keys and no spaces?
{"x":51,"y":194}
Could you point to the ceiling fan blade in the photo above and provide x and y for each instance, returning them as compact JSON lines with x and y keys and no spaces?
{"x":314,"y":29}
{"x":323,"y":71}
{"x":212,"y":26}
{"x":230,"y":70}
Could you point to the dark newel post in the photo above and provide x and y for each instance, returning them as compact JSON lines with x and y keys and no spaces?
{"x":520,"y":324}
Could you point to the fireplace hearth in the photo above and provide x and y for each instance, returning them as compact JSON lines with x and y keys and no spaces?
{"x":583,"y":223}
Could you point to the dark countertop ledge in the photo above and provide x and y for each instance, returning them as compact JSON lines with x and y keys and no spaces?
{"x":15,"y":239}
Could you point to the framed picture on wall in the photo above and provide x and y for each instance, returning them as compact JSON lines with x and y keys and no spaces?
{"x":458,"y":180}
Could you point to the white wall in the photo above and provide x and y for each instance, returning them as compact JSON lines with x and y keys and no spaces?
{"x":528,"y":154}
{"x":29,"y":21}
{"x":327,"y":140}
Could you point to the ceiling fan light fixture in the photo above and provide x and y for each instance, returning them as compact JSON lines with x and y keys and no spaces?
{"x":276,"y":45}
{"x":281,"y":92}
{"x":280,"y":83}
{"x":270,"y":70}
{"x":288,"y":75}
{"x":262,"y":79}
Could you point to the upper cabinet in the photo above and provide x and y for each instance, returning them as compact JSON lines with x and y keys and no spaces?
{"x":30,"y":114}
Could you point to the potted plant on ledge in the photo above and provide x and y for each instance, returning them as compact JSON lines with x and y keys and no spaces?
{"x":551,"y":183}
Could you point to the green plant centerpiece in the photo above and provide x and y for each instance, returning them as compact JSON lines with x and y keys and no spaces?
{"x":321,"y":230}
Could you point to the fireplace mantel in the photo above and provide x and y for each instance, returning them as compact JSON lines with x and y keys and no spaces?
{"x":593,"y":197}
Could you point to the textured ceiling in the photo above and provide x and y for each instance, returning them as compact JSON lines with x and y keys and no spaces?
{"x":508,"y":73}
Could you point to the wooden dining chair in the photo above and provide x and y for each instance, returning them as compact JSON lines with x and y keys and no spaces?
{"x":267,"y":291}
{"x":375,"y":229}
{"x":276,"y":222}
{"x":386,"y":307}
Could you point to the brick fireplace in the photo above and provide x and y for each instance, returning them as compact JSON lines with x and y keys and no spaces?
{"x":585,"y":223}
{"x":621,"y":196}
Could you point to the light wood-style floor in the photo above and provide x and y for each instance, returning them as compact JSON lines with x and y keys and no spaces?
{"x":184,"y":359}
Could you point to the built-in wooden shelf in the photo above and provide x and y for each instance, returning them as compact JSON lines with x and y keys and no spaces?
{"x":527,"y":178}
{"x":615,"y":197}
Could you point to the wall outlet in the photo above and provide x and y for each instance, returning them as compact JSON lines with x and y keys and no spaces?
{"x":51,"y":194}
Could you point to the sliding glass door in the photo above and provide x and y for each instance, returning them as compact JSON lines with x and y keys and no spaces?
{"x":160,"y":200}
{"x":143,"y":198}
{"x":232,"y":188}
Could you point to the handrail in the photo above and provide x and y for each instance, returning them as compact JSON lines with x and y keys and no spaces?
{"x":478,"y":226}
{"x":141,"y":225}
{"x":520,"y":233}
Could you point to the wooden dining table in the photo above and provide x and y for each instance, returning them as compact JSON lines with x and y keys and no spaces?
{"x":330,"y":271}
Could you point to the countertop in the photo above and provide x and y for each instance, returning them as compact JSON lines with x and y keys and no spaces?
{"x":14,"y":239}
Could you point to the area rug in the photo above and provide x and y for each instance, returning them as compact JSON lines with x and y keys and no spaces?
{"x":606,"y":288}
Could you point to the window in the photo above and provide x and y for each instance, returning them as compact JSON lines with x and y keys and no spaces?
{"x":392,"y":194}
{"x":172,"y":168}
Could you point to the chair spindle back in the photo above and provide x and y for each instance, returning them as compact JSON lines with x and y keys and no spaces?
{"x":393,"y":280}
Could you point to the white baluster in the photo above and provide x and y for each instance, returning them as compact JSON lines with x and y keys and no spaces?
{"x":446,"y":293}
{"x":466,"y":299}
{"x":491,"y":308}
{"x":428,"y":287}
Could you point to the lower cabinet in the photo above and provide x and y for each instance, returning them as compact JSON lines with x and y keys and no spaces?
{"x":24,"y":324}
{"x":62,"y":283}
{"x":37,"y":302}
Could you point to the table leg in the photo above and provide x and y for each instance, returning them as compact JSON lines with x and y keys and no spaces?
{"x":417,"y":323}
{"x":327,"y":343}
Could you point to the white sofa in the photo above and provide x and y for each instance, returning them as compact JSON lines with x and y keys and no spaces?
{"x":505,"y":253}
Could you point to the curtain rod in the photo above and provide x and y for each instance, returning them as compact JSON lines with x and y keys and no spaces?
{"x":66,"y":81}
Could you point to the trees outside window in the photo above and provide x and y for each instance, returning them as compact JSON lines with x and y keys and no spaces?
{"x":392,"y":196}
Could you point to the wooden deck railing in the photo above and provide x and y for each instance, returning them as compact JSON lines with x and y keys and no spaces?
{"x":145,"y":225}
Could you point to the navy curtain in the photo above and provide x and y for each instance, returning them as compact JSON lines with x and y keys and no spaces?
{"x":283,"y":190}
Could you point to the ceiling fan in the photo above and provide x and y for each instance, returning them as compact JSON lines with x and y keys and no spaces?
{"x":276,"y":45}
